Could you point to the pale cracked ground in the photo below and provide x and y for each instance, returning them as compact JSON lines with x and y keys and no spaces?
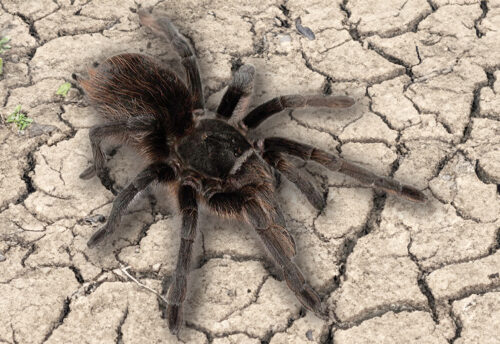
{"x":426,"y":79}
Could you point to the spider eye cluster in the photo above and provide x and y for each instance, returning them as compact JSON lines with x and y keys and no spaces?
{"x":237,"y":151}
{"x":213,"y":148}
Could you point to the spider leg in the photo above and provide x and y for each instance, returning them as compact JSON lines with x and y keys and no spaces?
{"x":281,"y":246}
{"x":278,"y":104}
{"x":164,"y":27}
{"x":119,"y":130}
{"x":235,"y":102}
{"x":177,"y":290}
{"x":158,"y":171}
{"x":226,"y":203}
{"x":97,"y":133}
{"x":337,"y":164}
{"x":296,"y":176}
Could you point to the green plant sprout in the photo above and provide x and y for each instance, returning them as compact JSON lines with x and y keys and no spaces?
{"x":63,"y":89}
{"x":3,"y":44}
{"x":19,"y":118}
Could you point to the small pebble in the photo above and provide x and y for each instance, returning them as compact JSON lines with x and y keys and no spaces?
{"x":303,"y":30}
{"x":284,"y":39}
{"x":309,"y":335}
{"x":2,"y":257}
{"x":94,"y":219}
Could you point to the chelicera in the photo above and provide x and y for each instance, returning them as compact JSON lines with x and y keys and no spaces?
{"x":207,"y":157}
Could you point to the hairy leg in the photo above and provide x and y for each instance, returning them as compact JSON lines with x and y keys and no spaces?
{"x":226,"y":203}
{"x":160,"y":172}
{"x":121,"y":130}
{"x":177,"y":290}
{"x":334,"y":163}
{"x":281,"y":246}
{"x":164,"y":27}
{"x":97,"y":134}
{"x":278,"y":104}
{"x":235,"y":102}
{"x":293,"y":174}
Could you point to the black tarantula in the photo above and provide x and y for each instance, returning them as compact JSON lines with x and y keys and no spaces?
{"x":207,"y":157}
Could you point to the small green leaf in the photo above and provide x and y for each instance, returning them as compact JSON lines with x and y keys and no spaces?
{"x":11,"y":118}
{"x":19,"y":118}
{"x":3,"y":44}
{"x":1,"y":66}
{"x":26,"y":121}
{"x":63,"y":89}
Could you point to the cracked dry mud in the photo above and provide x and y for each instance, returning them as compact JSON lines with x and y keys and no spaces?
{"x":426,"y":78}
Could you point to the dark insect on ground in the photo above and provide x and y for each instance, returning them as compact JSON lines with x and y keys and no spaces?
{"x":207,"y":157}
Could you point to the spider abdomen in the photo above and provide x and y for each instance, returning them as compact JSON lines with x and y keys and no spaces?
{"x":130,"y":85}
{"x":213,"y":148}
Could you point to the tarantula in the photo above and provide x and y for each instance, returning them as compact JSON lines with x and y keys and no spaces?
{"x":207,"y":157}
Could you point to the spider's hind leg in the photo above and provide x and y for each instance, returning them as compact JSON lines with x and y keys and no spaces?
{"x":97,"y":134}
{"x":120,"y":131}
{"x":163,"y":27}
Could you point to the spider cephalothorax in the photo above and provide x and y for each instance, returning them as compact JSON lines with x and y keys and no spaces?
{"x":207,"y":157}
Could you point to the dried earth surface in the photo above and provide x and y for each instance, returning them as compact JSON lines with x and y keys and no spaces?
{"x":426,"y":78}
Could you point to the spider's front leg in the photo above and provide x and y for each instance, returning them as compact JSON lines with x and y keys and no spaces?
{"x":292,"y":101}
{"x":270,"y":225}
{"x":177,"y":290}
{"x":262,"y":211}
{"x":158,"y":171}
{"x":293,"y":174}
{"x":337,"y":164}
